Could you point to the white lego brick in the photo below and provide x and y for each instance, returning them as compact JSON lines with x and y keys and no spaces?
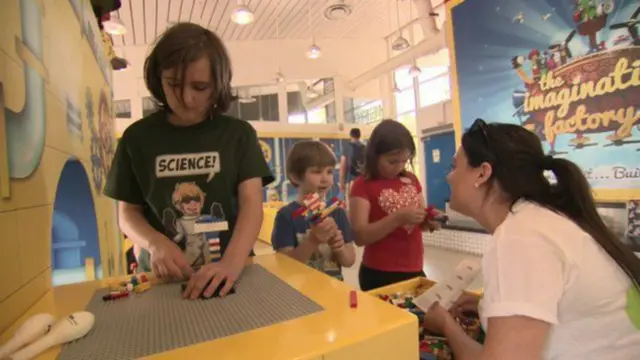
{"x":211,"y":227}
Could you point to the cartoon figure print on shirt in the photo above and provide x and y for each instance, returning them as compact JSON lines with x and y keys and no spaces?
{"x":391,"y":200}
{"x":323,"y":258}
{"x":188,"y":200}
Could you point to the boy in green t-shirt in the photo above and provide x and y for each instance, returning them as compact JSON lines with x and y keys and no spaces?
{"x":187,"y":164}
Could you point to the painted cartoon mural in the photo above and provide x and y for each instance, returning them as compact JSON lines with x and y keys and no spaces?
{"x":55,"y":101}
{"x":567,"y":70}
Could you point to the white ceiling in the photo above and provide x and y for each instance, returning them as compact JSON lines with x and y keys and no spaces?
{"x":146,"y":19}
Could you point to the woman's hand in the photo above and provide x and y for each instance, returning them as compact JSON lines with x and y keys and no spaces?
{"x":410,"y":216}
{"x":168,"y":261}
{"x":466,"y":303}
{"x":436,"y":319}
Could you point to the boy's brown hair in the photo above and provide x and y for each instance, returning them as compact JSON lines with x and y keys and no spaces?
{"x":180,"y":45}
{"x":306,"y":154}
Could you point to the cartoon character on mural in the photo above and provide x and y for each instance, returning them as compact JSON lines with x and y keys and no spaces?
{"x":188,"y":199}
{"x":590,"y":19}
{"x":576,"y":84}
{"x":102,"y":139}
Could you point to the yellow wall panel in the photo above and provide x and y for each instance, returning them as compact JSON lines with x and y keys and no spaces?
{"x":9,"y":250}
{"x":11,"y":77}
{"x":57,"y":135}
{"x":20,"y":301}
{"x":34,"y":240}
{"x":56,"y":99}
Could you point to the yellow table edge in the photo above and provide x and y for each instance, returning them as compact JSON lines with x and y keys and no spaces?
{"x":411,"y":284}
{"x":307,"y":337}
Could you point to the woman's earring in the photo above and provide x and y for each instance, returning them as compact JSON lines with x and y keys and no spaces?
{"x":476,"y":185}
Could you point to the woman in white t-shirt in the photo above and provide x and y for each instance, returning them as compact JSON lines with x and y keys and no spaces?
{"x":558,"y":284}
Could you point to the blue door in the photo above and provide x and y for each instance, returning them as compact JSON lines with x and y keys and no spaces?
{"x":438,"y":154}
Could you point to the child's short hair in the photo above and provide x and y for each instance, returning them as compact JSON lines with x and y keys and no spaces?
{"x":306,"y":154}
{"x":389,"y":135}
{"x":181,"y":45}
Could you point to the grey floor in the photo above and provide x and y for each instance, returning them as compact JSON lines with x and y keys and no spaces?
{"x":439,"y":264}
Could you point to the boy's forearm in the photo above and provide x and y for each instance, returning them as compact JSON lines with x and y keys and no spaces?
{"x":137,"y":228}
{"x":245,"y":232}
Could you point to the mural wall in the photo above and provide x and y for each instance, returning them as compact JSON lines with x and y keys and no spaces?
{"x":567,"y":70}
{"x":275,"y":150}
{"x":55,"y":109}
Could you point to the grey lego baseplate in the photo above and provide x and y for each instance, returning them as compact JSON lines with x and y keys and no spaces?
{"x":160,"y":319}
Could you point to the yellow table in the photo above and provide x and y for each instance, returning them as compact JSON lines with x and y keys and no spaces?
{"x":269,"y":211}
{"x":375,"y":330}
{"x":410,"y":285}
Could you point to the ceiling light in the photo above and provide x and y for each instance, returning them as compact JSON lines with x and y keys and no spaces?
{"x":414,"y":71}
{"x":242,"y":15}
{"x":337,"y":10}
{"x":114,"y":26}
{"x":314,"y":52}
{"x":400,"y":43}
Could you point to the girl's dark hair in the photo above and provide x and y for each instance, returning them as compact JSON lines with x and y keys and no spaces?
{"x":181,"y":45}
{"x":518,"y":163}
{"x":389,"y":135}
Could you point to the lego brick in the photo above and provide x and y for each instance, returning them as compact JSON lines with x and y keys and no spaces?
{"x":165,"y":321}
{"x":211,"y":227}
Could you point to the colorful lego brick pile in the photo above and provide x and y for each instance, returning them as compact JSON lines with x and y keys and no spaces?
{"x":433,"y":346}
{"x":121,"y":289}
{"x":315,"y":210}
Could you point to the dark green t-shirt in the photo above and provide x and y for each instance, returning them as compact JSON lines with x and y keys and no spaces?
{"x":184,"y":175}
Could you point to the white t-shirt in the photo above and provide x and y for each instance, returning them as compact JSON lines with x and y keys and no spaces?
{"x":541,"y":265}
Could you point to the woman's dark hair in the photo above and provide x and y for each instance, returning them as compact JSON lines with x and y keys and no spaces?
{"x":179,"y":46}
{"x":388,"y":136}
{"x":518,"y":163}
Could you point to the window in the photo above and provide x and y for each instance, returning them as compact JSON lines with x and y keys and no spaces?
{"x":252,"y":106}
{"x":435,"y":90}
{"x":362,"y":111}
{"x":403,"y":79}
{"x":299,"y":115}
{"x":123,"y":109}
{"x":317,"y":116}
{"x":405,"y":96}
{"x":148,"y":106}
{"x":298,"y":118}
{"x":428,"y":73}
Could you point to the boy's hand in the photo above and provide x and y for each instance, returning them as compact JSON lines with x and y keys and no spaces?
{"x":168,"y":261}
{"x":336,"y":243}
{"x":323,"y":231}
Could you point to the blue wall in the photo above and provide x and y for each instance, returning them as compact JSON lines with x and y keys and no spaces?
{"x":74,"y":219}
{"x":438,"y":155}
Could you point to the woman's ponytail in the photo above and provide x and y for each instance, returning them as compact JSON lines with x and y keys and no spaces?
{"x":572,"y":196}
